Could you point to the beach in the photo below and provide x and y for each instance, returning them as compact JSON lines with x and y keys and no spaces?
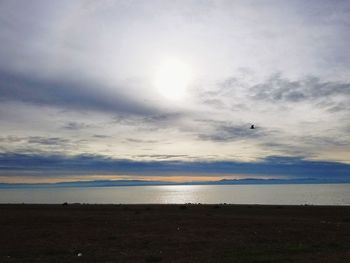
{"x":174,"y":233}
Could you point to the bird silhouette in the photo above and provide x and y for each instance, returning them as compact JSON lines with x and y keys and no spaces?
{"x":252,"y":127}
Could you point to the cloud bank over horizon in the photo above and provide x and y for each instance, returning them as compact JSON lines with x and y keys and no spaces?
{"x":78,"y":79}
{"x":57,"y":168}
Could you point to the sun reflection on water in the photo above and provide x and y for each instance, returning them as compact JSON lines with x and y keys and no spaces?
{"x":178,"y":194}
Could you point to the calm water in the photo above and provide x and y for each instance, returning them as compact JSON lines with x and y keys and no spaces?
{"x":318,"y":194}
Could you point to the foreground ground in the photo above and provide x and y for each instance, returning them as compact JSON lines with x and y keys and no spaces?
{"x":174,"y":233}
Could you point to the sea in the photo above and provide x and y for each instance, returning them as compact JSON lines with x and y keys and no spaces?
{"x":288,"y":194}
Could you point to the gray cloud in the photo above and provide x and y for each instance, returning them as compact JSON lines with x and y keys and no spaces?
{"x":277,"y":88}
{"x":100,"y":136}
{"x":152,"y":122}
{"x":230,"y":132}
{"x":69,"y":95}
{"x":76,"y":125}
{"x":47,"y":141}
{"x":163,"y":156}
{"x":39,"y":144}
{"x":133,"y":140}
{"x":11,"y":139}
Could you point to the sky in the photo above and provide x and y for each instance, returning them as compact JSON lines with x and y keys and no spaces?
{"x":169,"y":89}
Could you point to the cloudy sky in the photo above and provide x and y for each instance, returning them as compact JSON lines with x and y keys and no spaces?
{"x":137,"y":89}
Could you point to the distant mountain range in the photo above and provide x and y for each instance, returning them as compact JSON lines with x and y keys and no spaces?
{"x":109,"y":183}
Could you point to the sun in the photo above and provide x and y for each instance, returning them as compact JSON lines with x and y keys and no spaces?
{"x":172,"y":79}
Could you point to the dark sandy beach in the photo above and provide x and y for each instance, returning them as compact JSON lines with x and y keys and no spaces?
{"x":174,"y":233}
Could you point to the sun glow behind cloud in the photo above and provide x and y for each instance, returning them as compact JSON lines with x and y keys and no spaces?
{"x":172,"y":79}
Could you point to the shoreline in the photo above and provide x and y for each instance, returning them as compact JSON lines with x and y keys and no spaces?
{"x":172,"y":204}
